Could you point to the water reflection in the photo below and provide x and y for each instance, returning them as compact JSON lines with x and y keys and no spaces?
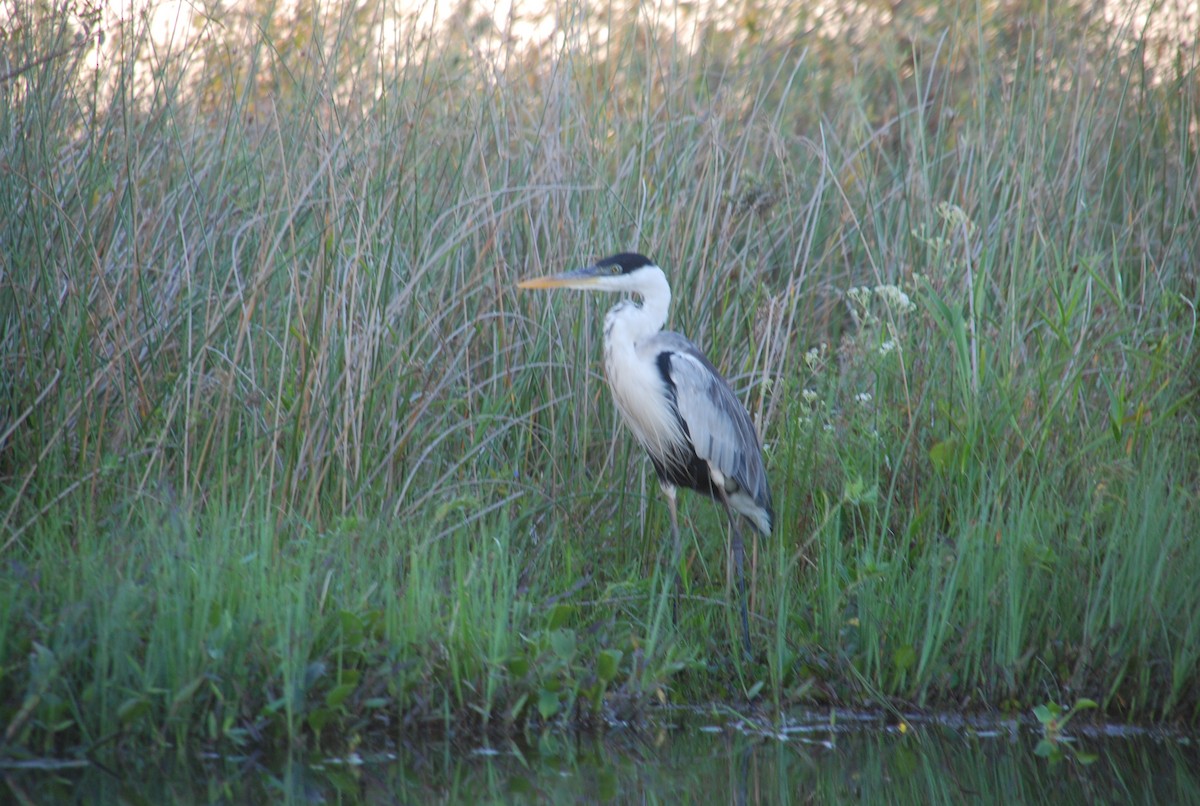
{"x":867,"y":762}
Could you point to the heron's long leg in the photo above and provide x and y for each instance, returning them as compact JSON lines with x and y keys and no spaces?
{"x":738,"y":549}
{"x":672,"y":504}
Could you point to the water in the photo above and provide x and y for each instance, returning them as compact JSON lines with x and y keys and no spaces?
{"x":816,"y":759}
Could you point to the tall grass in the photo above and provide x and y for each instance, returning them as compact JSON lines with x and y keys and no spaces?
{"x":286,"y":457}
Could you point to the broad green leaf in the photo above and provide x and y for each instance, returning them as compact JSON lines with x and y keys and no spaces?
{"x":338,"y":694}
{"x":607,"y":664}
{"x":548,"y":704}
{"x":563,"y":643}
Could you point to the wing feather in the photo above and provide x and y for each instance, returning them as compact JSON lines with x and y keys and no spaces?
{"x":719,"y":426}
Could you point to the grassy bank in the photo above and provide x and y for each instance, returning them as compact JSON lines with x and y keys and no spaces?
{"x":285,"y":458}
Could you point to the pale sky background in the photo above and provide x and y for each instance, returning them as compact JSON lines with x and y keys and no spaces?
{"x":175,"y":24}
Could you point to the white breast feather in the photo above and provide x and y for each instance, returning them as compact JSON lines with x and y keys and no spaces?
{"x":641,"y":397}
{"x":640,"y":392}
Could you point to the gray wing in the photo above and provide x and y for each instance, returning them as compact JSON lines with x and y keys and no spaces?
{"x":720,"y":428}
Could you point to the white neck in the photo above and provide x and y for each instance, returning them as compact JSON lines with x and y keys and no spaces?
{"x":634,"y":377}
{"x":636,"y":322}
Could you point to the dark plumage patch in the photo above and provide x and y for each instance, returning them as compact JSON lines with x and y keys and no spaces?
{"x":627,"y":262}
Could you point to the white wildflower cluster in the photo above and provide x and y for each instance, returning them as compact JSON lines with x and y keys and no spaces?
{"x":890,"y":294}
{"x":810,"y":407}
{"x":860,"y":296}
{"x":864,"y":300}
{"x":959,"y":224}
{"x":863,"y":397}
{"x":895,"y":298}
{"x":811,"y":404}
{"x":817,"y":357}
{"x":956,"y":217}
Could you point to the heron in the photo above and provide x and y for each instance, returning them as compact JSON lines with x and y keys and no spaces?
{"x":683,"y":413}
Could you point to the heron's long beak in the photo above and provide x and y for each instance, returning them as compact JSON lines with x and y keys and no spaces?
{"x":580,"y":278}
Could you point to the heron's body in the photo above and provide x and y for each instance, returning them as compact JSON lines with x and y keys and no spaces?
{"x":680,"y":409}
